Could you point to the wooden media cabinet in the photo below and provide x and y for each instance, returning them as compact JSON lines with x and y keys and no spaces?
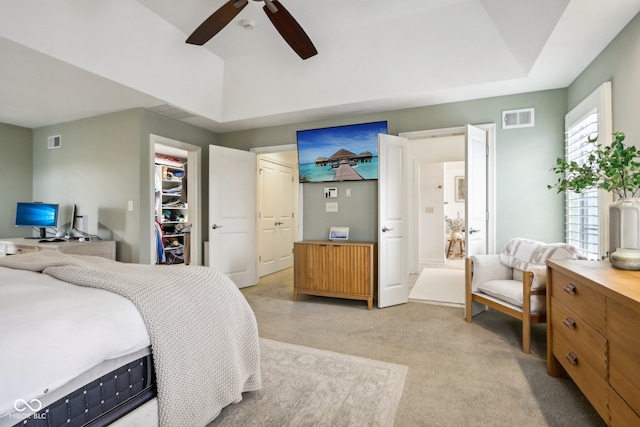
{"x":335,"y":269}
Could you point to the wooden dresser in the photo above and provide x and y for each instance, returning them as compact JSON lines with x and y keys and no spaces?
{"x":593,"y":335}
{"x":335,"y":269}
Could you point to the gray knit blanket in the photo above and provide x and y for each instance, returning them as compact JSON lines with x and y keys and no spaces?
{"x":204,"y":335}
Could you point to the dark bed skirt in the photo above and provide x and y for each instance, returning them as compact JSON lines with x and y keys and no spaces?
{"x":102,"y":401}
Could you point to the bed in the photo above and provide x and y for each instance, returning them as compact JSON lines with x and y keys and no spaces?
{"x":85,"y":340}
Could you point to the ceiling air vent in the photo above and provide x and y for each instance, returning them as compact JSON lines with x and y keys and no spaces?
{"x":54,"y":142}
{"x":523,"y":118}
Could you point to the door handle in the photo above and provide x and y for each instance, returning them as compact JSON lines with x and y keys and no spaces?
{"x":279,"y":223}
{"x":215,"y":226}
{"x":473,"y":230}
{"x":385,"y":229}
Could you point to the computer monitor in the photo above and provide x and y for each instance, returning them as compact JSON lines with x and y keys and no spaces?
{"x":39,"y":215}
{"x":74,"y":216}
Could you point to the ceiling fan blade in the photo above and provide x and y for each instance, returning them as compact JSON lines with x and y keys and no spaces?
{"x":216,"y":22}
{"x":290,"y":30}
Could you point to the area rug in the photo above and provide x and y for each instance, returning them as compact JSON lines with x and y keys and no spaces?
{"x":302,"y":386}
{"x":439,"y":286}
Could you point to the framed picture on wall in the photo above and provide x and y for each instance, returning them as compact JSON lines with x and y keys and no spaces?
{"x":460,"y":189}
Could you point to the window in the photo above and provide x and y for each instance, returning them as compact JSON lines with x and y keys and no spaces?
{"x":586,"y":220}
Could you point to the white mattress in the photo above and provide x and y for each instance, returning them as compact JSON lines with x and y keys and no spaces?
{"x":52,"y":332}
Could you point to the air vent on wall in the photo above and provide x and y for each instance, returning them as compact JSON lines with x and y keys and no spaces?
{"x":54,"y":142}
{"x":523,"y":118}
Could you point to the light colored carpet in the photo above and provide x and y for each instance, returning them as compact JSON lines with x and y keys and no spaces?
{"x":439,"y":285}
{"x":460,"y":374}
{"x":303,"y":386}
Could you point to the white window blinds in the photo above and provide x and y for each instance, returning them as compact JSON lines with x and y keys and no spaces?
{"x":586,"y":214}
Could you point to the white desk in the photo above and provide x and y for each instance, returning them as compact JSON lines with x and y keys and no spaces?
{"x":102,"y":248}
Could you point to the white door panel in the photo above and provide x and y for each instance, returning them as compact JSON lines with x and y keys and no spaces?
{"x":476,"y":191}
{"x":275,"y":217}
{"x":392,"y":243}
{"x":232,"y":214}
{"x":476,"y":196}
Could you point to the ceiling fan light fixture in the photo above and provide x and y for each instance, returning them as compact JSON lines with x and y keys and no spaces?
{"x":285,"y":24}
{"x":248,"y":24}
{"x":272,"y":7}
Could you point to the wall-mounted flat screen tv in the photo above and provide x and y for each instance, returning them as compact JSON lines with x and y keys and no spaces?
{"x":341,"y":153}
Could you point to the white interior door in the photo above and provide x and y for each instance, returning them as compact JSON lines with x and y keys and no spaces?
{"x":392,"y":210}
{"x":275,"y":216}
{"x":476,"y":191}
{"x":232,"y":214}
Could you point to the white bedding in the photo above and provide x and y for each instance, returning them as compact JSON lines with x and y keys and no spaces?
{"x":203,"y":333}
{"x":61,"y":342}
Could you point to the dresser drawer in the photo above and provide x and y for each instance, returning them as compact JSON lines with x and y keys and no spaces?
{"x":584,"y":342}
{"x":586,"y":369}
{"x":621,"y":414}
{"x":580,"y":299}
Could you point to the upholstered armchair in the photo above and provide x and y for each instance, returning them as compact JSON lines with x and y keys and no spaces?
{"x":514,"y":282}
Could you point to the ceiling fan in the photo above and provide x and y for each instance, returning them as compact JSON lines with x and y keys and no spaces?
{"x":286,"y":25}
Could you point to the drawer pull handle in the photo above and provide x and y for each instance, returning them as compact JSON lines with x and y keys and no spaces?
{"x":569,"y":323}
{"x":570,"y":289}
{"x":572,"y":358}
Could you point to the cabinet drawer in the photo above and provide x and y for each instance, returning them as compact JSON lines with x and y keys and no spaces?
{"x":623,"y":333}
{"x":580,"y":299}
{"x":621,"y":414}
{"x":587,"y":370}
{"x":585,"y":342}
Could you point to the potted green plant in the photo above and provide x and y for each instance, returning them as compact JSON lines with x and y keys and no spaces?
{"x":614,"y":168}
{"x":455,"y":225}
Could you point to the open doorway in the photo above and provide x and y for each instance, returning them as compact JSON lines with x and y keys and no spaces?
{"x":178,"y":208}
{"x":435,"y":146}
{"x":438,"y":199}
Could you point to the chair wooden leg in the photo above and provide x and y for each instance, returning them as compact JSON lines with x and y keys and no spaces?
{"x":526,"y":334}
{"x":467,"y":284}
{"x":526,"y":311}
{"x":450,"y":249}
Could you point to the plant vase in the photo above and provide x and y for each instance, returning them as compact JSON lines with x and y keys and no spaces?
{"x":456,"y":235}
{"x":624,"y":233}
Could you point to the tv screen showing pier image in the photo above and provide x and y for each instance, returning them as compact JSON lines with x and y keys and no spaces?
{"x":341,"y":153}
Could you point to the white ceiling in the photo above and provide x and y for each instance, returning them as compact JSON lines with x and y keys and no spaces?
{"x":70,"y":59}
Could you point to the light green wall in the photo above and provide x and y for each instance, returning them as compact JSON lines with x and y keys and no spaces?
{"x":103,"y":160}
{"x":97,"y":168}
{"x":620,"y":64}
{"x":525,"y":208}
{"x":359,"y":212}
{"x":103,"y":163}
{"x":17,"y":169}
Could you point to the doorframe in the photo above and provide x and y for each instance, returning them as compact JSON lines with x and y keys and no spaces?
{"x":416,"y":136}
{"x":194,"y":155}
